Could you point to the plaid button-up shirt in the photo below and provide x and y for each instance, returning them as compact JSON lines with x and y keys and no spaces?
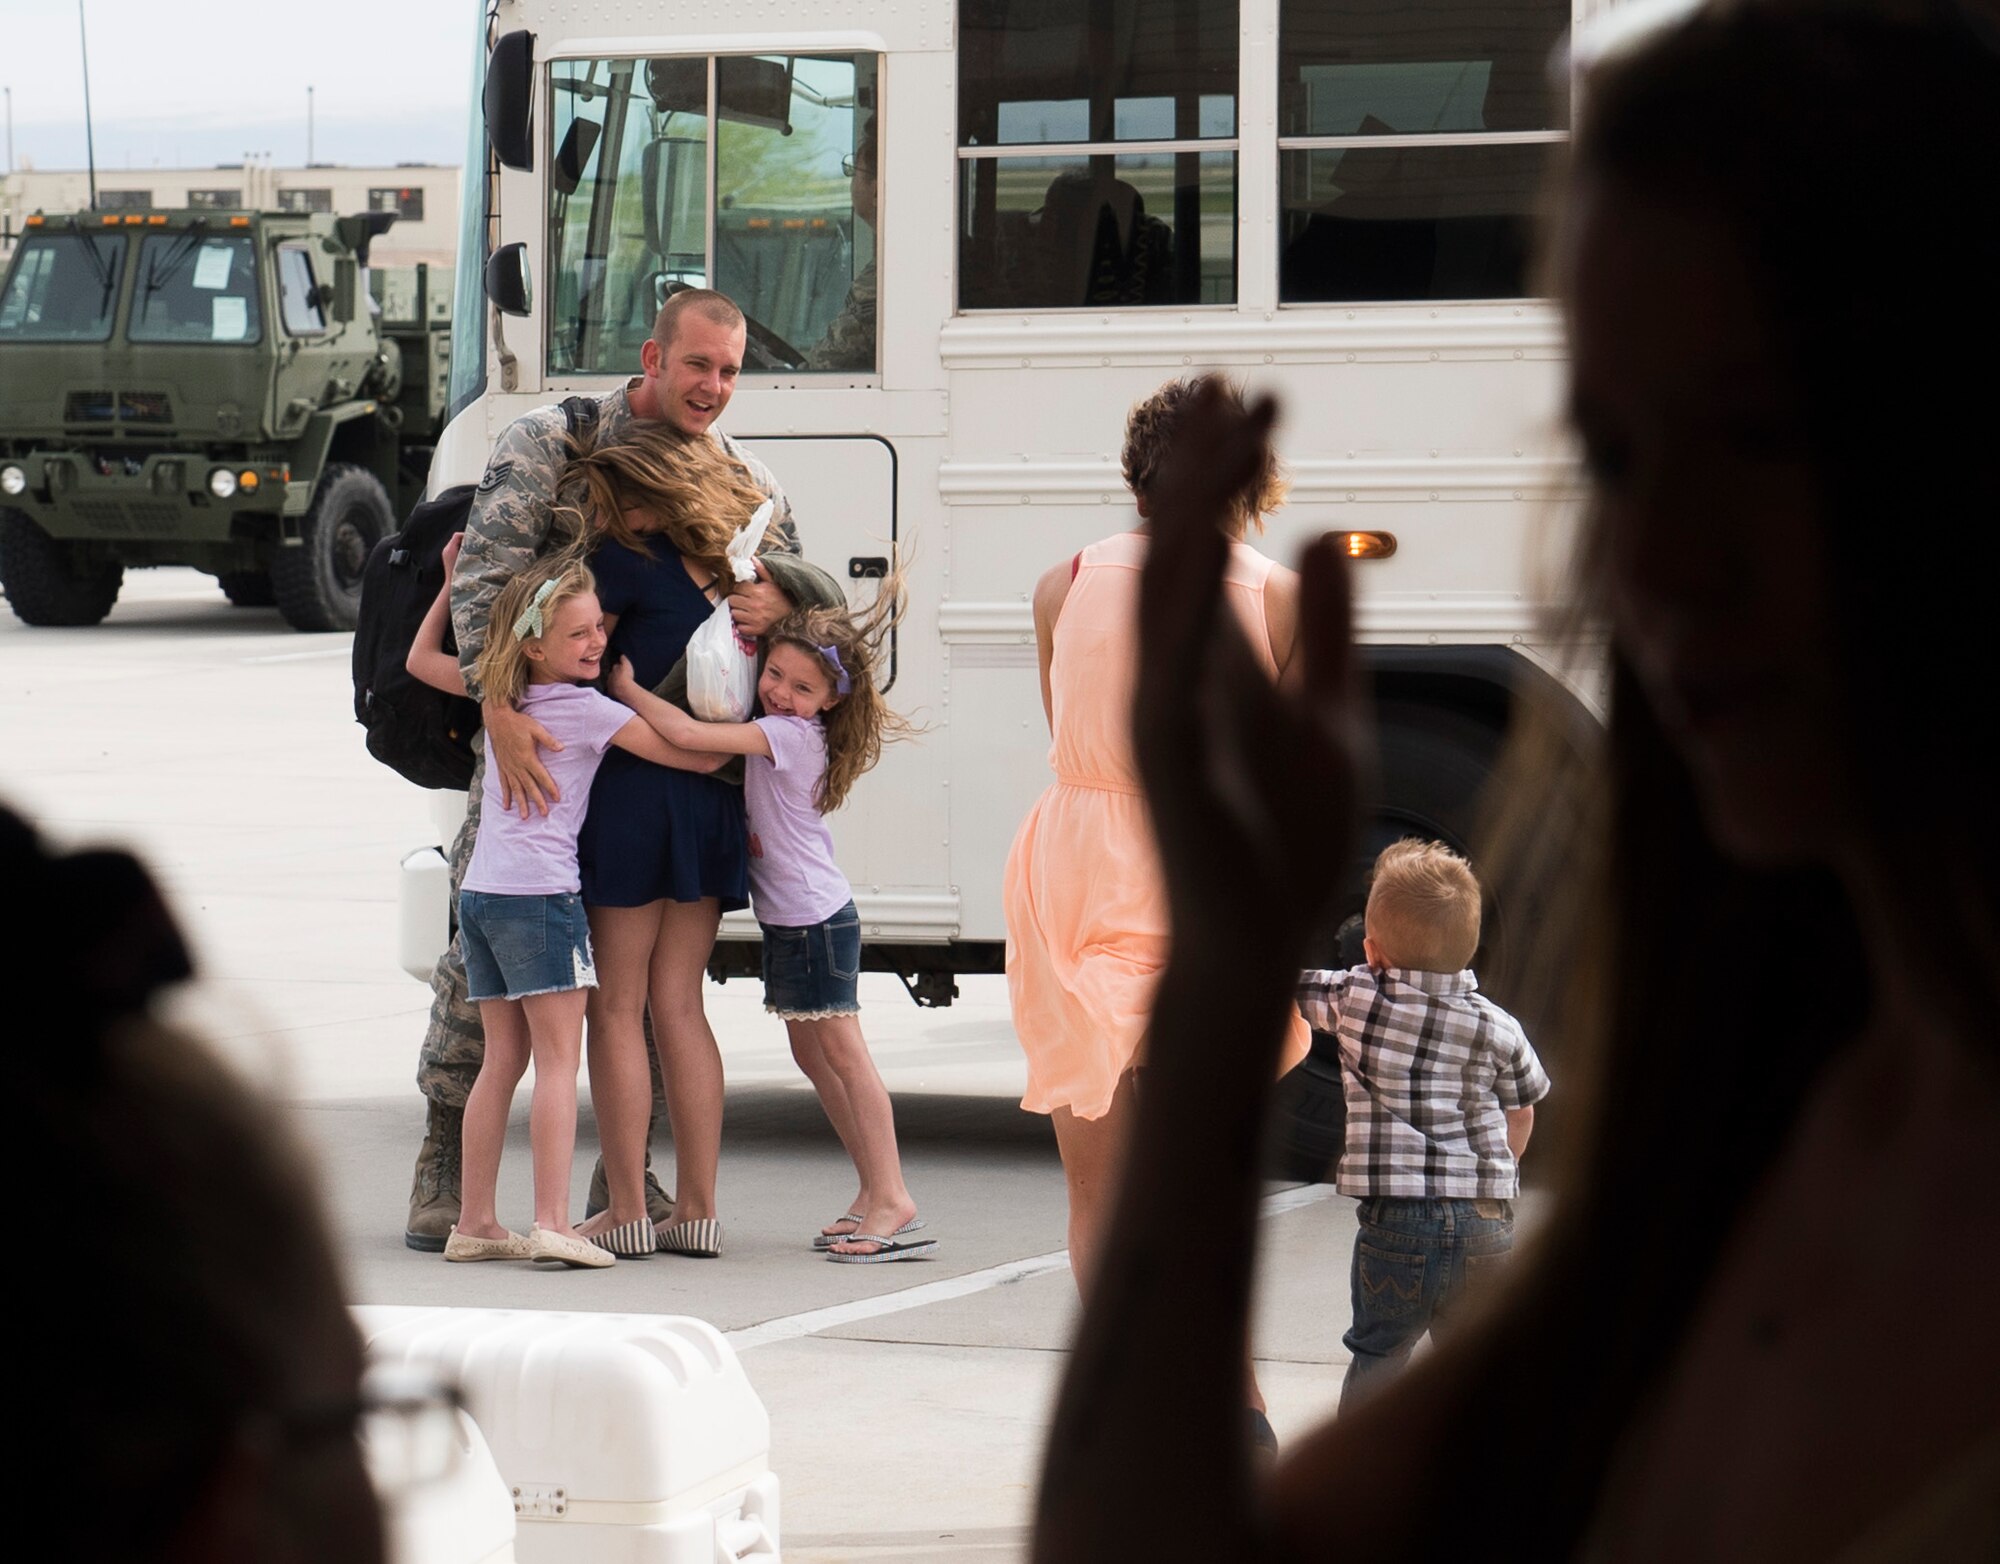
{"x":1428,"y":1067}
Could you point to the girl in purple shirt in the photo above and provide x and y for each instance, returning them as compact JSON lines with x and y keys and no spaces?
{"x":520,"y":918}
{"x":824,"y":725}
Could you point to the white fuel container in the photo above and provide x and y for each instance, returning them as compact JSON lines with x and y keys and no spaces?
{"x":623,"y":1438}
{"x":462,"y":1515}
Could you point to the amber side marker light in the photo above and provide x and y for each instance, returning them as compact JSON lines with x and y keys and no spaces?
{"x":1365,"y":545}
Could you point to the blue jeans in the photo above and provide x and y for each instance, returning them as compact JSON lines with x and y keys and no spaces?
{"x":1415,"y":1263}
{"x":810,"y":972}
{"x":518,"y":946}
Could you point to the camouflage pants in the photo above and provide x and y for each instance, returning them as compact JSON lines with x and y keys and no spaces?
{"x":455,"y":1042}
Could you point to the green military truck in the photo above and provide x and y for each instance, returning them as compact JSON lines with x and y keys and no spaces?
{"x":233,"y":391}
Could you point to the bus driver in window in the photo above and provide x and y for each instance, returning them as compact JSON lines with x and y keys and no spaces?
{"x":849,"y":342}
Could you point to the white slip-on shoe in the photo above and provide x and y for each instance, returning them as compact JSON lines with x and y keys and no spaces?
{"x":547,"y":1248}
{"x":463,"y":1248}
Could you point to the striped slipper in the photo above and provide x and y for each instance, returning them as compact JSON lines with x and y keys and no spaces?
{"x":885,"y":1251}
{"x":825,"y":1241}
{"x":700,"y":1239}
{"x":629,"y":1241}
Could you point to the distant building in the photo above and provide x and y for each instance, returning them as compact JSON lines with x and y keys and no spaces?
{"x":425,"y":196}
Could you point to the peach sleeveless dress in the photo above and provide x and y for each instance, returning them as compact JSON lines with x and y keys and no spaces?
{"x":1085,"y":906}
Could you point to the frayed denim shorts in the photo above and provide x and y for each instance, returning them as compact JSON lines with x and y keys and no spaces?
{"x":518,"y":946}
{"x":810,"y":972}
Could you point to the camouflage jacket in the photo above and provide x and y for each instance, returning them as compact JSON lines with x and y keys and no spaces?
{"x":514,"y":516}
{"x":849,"y":342}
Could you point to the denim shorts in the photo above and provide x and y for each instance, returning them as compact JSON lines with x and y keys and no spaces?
{"x":515,"y":946}
{"x":810,"y":972}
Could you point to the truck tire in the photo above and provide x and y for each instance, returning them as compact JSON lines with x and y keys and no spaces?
{"x":318,"y":584}
{"x":1434,"y":766}
{"x":51,"y":583}
{"x":247,"y":588}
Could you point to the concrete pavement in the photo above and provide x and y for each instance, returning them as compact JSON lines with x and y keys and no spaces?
{"x":907,"y":1401}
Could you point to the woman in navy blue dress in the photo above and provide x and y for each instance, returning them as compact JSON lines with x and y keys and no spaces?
{"x":663,"y":853}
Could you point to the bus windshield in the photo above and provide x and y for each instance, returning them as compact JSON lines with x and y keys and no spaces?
{"x":730,"y":172}
{"x":63,"y":288}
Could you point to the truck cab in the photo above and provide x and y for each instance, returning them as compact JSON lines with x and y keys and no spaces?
{"x":217,"y":389}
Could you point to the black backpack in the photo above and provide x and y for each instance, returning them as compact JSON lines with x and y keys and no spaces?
{"x":421,"y":732}
{"x":414,"y":729}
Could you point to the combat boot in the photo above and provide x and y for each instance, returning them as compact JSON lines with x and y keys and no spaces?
{"x":434,"y":1191}
{"x":659,"y":1204}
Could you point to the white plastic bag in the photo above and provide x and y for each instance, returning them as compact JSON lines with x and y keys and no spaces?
{"x":722,"y":665}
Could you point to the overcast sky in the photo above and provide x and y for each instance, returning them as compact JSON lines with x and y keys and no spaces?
{"x":195,"y":82}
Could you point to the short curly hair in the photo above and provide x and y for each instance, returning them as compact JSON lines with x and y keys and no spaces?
{"x":1153,"y":425}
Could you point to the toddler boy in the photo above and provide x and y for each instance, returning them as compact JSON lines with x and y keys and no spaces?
{"x":1440,"y":1085}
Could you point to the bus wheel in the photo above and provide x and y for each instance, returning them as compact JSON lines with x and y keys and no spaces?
{"x":318,"y":583}
{"x":1435,"y":765}
{"x":51,"y":583}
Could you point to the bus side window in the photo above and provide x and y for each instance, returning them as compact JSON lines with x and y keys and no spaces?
{"x":1139,"y":205}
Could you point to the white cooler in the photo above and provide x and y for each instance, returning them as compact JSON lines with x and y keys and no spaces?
{"x":462,"y":1517}
{"x":624,"y":1438}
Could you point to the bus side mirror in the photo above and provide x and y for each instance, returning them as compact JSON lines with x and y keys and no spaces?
{"x":510,"y":83}
{"x":507,"y":282}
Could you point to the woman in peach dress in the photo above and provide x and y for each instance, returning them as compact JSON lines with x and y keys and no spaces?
{"x":1086,"y":907}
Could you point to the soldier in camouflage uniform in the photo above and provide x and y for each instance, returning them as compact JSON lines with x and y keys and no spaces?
{"x":690,"y":366}
{"x":849,"y":342}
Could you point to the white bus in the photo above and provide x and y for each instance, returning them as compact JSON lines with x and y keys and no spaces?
{"x":1331,"y":198}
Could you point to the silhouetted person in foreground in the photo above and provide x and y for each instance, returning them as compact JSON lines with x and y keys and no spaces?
{"x":187,"y":1381}
{"x":1759,"y":1324}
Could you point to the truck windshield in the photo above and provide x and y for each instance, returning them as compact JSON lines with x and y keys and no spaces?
{"x":196,"y":287}
{"x":63,"y":288}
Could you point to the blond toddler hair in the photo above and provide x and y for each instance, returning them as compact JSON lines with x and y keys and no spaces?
{"x":1423,"y":907}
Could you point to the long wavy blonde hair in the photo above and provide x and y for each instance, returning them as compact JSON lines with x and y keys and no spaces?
{"x":503,"y":660}
{"x":698,"y":495}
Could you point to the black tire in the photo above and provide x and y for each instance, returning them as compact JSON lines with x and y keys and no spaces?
{"x":317,"y":585}
{"x":1434,"y":768}
{"x":1309,"y":1120}
{"x":51,"y":583}
{"x":247,"y":588}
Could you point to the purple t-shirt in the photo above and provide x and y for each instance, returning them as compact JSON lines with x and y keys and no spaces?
{"x":794,"y":881}
{"x":537,"y":856}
